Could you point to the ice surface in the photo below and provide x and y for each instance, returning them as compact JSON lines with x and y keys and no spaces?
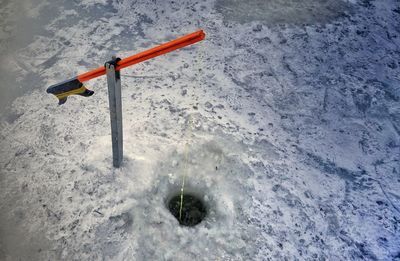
{"x":293,"y":135}
{"x":283,"y":11}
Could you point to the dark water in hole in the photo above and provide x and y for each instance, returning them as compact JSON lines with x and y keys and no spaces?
{"x":193,"y":210}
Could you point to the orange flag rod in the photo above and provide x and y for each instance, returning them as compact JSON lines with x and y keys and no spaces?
{"x":75,"y":85}
{"x":148,"y":54}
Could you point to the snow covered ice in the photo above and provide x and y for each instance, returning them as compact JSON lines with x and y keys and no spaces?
{"x":290,"y":112}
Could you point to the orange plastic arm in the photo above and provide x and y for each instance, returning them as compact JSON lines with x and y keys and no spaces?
{"x":148,"y":54}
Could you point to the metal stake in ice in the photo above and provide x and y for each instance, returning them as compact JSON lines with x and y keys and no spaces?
{"x":115,"y":103}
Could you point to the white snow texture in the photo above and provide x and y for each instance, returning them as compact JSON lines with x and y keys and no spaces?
{"x":289,"y":112}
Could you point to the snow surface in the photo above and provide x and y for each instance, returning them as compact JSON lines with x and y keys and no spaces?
{"x":292,"y":126}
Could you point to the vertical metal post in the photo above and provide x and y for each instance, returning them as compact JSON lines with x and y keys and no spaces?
{"x":115,"y":103}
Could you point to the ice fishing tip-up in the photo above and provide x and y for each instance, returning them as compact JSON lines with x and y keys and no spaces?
{"x":112,"y":69}
{"x":74,"y":86}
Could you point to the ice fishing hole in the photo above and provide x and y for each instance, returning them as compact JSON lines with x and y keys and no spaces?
{"x":193,"y":209}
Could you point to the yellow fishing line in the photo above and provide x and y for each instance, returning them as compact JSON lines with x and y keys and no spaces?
{"x":189,"y":132}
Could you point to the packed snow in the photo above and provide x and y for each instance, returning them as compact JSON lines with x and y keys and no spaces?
{"x":285,"y":119}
